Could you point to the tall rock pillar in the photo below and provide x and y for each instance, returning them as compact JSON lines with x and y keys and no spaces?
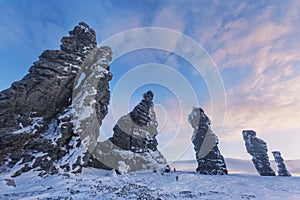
{"x":133,"y":146}
{"x":257,"y":148}
{"x":282,"y":171}
{"x":210,"y":161}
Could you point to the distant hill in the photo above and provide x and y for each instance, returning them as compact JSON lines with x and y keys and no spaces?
{"x":238,"y":166}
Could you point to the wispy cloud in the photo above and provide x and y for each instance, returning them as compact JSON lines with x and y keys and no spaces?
{"x":261,"y":44}
{"x":255,"y":44}
{"x":257,"y":40}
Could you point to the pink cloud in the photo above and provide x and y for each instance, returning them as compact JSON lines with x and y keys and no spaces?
{"x":167,"y":15}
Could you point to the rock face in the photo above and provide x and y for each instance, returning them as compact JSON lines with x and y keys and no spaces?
{"x":133,"y":146}
{"x":136,"y":132}
{"x":48,"y":86}
{"x":40,"y":119}
{"x":282,"y":171}
{"x":210,"y":161}
{"x":257,"y":148}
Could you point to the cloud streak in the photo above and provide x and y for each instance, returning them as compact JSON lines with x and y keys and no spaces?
{"x":254,"y":44}
{"x":267,"y":98}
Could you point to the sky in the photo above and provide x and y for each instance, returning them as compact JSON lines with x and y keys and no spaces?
{"x":253,"y":48}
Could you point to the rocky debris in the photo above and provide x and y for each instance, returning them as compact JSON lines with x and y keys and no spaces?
{"x":42,"y":115}
{"x":133,"y":146}
{"x":167,"y":169}
{"x":10,"y":182}
{"x":210,"y":161}
{"x":257,"y":148}
{"x":282,"y":171}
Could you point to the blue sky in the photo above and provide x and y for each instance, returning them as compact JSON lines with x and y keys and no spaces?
{"x":254,"y":44}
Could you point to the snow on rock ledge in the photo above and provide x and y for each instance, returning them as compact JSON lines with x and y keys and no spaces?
{"x":41,"y":127}
{"x":133,"y":146}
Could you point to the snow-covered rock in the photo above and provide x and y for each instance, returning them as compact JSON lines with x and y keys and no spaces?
{"x":210,"y":161}
{"x":133,"y":143}
{"x":258,"y":149}
{"x":45,"y":117}
{"x":282,"y":171}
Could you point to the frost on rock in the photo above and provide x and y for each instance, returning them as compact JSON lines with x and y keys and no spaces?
{"x":123,"y":168}
{"x":46,"y":124}
{"x":91,"y":98}
{"x":282,"y":171}
{"x":257,"y":148}
{"x":210,"y":161}
{"x":133,"y":141}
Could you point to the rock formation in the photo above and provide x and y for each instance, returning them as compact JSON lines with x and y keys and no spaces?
{"x":210,"y":161}
{"x":282,"y":171}
{"x":133,"y":146}
{"x":257,"y":148}
{"x":48,"y":86}
{"x":137,"y":131}
{"x":42,"y":116}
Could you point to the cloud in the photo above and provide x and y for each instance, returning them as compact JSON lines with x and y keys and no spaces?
{"x":175,"y":136}
{"x":12,"y":33}
{"x":261,"y":46}
{"x":168,"y":17}
{"x":254,"y":44}
{"x":249,"y":49}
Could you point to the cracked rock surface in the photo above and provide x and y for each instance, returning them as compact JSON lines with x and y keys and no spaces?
{"x":38,"y":113}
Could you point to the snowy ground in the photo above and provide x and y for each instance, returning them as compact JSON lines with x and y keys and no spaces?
{"x":100,"y":184}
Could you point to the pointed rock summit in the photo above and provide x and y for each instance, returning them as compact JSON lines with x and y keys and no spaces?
{"x":133,"y":146}
{"x":257,"y":148}
{"x":38,"y":113}
{"x":137,"y":130}
{"x":210,"y":161}
{"x":282,"y":171}
{"x":48,"y":86}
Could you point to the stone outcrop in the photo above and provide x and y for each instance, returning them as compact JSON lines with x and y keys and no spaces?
{"x":44,"y":117}
{"x":257,"y":148}
{"x":48,"y":86}
{"x":133,"y":146}
{"x":210,"y":161}
{"x":282,"y":171}
{"x":136,"y":132}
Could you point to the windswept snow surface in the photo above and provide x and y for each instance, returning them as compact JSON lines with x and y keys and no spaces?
{"x":101,"y":184}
